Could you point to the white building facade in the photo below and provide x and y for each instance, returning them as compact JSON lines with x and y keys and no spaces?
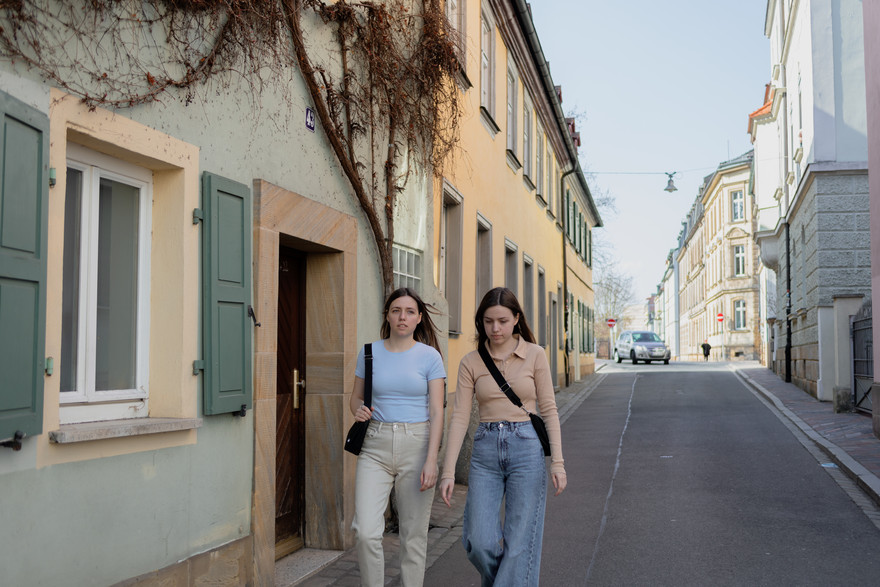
{"x":811,"y":188}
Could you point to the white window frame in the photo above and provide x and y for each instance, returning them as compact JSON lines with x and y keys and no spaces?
{"x":85,"y":404}
{"x":737,"y":206}
{"x":739,"y":260}
{"x":512,"y":94}
{"x":455,"y":14}
{"x":739,"y":315}
{"x":539,"y":162}
{"x":542,"y":307}
{"x":528,"y":294}
{"x":451,"y":225}
{"x":511,"y":273}
{"x":527,"y":138}
{"x":487,"y":63}
{"x":407,"y":276}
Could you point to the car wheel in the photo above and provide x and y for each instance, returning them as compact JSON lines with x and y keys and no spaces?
{"x":648,"y":362}
{"x":666,"y":362}
{"x":632,"y":355}
{"x":617,"y":356}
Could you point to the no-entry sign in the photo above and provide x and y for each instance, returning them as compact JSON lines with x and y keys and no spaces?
{"x":720,"y":317}
{"x":611,"y":322}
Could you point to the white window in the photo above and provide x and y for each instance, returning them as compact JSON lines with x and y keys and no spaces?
{"x":739,"y":315}
{"x":451,"y":257}
{"x":487,"y":65}
{"x":105,"y":332}
{"x":511,"y":110}
{"x":484,"y":258}
{"x":511,"y":277}
{"x":737,"y":206}
{"x":739,"y":260}
{"x":527,"y":139}
{"x":539,"y":163}
{"x":528,"y":296}
{"x":542,"y":307}
{"x":455,"y":11}
{"x":407,"y":268}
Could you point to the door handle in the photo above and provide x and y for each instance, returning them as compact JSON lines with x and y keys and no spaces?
{"x":295,"y":386}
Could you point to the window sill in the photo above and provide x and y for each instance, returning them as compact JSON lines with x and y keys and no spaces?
{"x":527,"y":181}
{"x":513,"y":161}
{"x":70,"y":433}
{"x":489,"y":121}
{"x":539,"y":197}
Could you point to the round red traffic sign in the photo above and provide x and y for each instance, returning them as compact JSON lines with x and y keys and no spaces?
{"x":720,"y":317}
{"x":611,"y":322}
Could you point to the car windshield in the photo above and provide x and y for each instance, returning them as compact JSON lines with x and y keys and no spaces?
{"x":646,"y":337}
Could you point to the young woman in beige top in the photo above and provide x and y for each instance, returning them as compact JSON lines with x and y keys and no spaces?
{"x":507,"y":463}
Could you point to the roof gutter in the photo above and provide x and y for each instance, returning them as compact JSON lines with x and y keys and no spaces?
{"x":528,"y":27}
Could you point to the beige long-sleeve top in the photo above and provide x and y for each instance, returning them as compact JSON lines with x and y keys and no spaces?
{"x":528,"y":373}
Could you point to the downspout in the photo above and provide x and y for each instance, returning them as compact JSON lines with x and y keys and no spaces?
{"x":785,"y":151}
{"x":565,"y":308}
{"x":787,"y":303}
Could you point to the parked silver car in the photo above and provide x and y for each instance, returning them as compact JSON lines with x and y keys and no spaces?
{"x":640,"y":345}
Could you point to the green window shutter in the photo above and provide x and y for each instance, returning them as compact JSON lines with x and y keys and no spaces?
{"x":24,"y":197}
{"x":227,"y":337}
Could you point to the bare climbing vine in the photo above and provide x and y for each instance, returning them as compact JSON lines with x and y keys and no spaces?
{"x":381,"y":74}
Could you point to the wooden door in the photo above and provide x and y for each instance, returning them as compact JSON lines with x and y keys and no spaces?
{"x":290,"y":415}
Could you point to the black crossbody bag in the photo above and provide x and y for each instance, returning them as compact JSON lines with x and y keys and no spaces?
{"x":358,"y":431}
{"x":537,"y":421}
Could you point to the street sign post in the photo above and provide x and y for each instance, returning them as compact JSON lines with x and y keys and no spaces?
{"x":611,"y":322}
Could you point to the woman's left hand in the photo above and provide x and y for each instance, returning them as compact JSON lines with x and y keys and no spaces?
{"x":430,"y":472}
{"x":559,"y":482}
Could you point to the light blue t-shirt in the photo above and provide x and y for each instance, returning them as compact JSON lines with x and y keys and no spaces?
{"x":400,"y":381}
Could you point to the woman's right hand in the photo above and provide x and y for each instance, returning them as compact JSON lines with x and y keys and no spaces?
{"x":446,"y":486}
{"x":363,"y":414}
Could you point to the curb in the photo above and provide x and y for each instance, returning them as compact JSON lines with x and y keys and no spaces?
{"x":866,"y":480}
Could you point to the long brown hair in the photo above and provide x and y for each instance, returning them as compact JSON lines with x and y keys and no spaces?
{"x":426,"y":331}
{"x":501,"y":296}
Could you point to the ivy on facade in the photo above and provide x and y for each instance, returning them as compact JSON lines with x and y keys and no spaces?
{"x":382,"y":80}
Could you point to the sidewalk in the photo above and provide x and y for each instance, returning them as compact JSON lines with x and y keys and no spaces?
{"x":341,"y":569}
{"x":847,"y":439}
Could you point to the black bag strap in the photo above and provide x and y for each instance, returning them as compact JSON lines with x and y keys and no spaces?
{"x":368,"y":374}
{"x":499,"y":379}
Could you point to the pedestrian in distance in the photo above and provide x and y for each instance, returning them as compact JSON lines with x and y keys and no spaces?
{"x":507,"y":463}
{"x":403,"y":438}
{"x":706,"y":348}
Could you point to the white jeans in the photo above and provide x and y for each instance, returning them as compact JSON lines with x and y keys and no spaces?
{"x":393,"y":454}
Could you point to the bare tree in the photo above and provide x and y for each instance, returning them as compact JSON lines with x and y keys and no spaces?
{"x":614,"y":292}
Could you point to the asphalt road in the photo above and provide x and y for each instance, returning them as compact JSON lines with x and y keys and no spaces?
{"x":679,"y":475}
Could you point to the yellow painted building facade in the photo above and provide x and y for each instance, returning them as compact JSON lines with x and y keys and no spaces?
{"x":512,"y":207}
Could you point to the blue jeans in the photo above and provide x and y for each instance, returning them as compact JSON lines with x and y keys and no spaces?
{"x":507,"y":462}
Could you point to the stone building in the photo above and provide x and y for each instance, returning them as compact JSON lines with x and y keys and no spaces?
{"x":811,"y":187}
{"x":718,"y":264}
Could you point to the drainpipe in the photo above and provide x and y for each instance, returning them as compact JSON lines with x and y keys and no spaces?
{"x":787,"y":303}
{"x":785,"y":151}
{"x":565,"y":308}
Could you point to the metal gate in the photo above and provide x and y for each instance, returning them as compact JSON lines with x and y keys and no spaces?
{"x":862,"y":338}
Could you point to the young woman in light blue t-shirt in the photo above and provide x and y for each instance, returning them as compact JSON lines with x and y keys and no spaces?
{"x":402,"y":442}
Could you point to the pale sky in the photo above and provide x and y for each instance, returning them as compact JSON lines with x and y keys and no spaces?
{"x":662,"y":86}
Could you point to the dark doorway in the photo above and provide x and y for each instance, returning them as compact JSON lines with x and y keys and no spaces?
{"x":290,"y":403}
